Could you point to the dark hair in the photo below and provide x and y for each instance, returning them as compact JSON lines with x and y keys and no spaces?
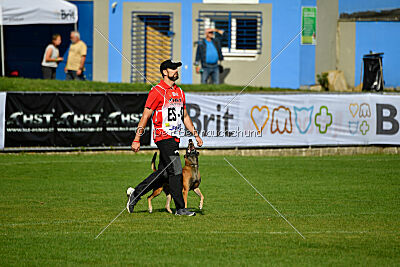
{"x":55,"y":36}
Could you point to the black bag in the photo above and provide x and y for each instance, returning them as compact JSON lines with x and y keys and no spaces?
{"x":221,"y":69}
{"x":373,"y":71}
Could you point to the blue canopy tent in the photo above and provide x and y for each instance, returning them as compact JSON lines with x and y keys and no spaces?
{"x":26,"y":29}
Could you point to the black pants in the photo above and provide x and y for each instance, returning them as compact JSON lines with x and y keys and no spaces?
{"x":71,"y":75}
{"x":169,"y":152}
{"x":49,"y":72}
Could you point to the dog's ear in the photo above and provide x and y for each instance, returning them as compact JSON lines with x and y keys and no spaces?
{"x":197,"y":153}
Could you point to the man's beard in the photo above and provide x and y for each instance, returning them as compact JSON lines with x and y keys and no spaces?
{"x":174,"y":78}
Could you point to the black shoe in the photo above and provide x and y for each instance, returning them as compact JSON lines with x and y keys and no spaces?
{"x":185,"y":212}
{"x":132,"y":200}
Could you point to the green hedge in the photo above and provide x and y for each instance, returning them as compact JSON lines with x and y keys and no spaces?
{"x":22,"y":84}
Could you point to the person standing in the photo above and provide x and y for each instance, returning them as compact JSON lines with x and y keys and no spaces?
{"x":208,"y":54}
{"x":166,"y":103}
{"x":76,"y":58}
{"x":51,"y":58}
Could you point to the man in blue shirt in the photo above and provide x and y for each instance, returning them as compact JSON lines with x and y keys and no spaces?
{"x":208,"y":54}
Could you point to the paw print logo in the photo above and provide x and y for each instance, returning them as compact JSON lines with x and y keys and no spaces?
{"x":281,"y":120}
{"x":364,"y":127}
{"x":365,"y":111}
{"x":323,"y":119}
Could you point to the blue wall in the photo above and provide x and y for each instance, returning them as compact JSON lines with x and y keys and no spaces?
{"x":296,"y":65}
{"x":285,"y":70}
{"x":376,"y":36}
{"x":115,"y":35}
{"x":307,"y":54}
{"x":350,"y":6}
{"x":85,"y":28}
{"x":25,"y":46}
{"x":379,"y":37}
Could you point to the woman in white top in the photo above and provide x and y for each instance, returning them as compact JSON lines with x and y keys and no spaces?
{"x":51,"y":58}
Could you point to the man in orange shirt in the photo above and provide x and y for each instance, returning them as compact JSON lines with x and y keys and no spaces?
{"x":167,"y":101}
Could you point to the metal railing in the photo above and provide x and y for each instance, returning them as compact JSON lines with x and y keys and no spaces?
{"x":151,"y":43}
{"x":243,"y":29}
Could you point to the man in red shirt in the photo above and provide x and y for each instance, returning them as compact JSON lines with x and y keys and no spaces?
{"x":166,"y":102}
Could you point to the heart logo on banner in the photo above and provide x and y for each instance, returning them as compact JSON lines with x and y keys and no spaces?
{"x":353,"y":107}
{"x":259,"y":117}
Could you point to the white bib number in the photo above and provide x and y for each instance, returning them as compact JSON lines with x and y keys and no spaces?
{"x":172,"y":120}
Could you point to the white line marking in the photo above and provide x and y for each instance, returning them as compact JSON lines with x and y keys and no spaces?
{"x":265,"y":198}
{"x":49,"y":223}
{"x":321,"y":158}
{"x":199,"y":233}
{"x":262,"y":158}
{"x":135,"y":198}
{"x":269,"y":63}
{"x":272,"y":215}
{"x":71,"y":161}
{"x":259,"y":232}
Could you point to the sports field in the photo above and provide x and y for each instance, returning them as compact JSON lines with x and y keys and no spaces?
{"x":348,"y":208}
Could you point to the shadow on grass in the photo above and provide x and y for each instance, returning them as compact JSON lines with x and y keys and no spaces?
{"x":163,"y":210}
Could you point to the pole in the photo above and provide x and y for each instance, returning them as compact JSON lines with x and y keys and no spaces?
{"x":2,"y":42}
{"x":381,"y":79}
{"x":2,"y":52}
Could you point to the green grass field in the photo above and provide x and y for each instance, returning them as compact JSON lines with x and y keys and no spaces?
{"x":22,"y":84}
{"x":348,"y":208}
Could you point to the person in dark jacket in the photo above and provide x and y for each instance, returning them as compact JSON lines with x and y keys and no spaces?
{"x":208,"y":54}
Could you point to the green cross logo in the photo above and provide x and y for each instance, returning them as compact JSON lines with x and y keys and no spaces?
{"x":323,"y":119}
{"x":364,"y":127}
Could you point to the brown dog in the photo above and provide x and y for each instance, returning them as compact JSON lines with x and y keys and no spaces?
{"x":191,"y":179}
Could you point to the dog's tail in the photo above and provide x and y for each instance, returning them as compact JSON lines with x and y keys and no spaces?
{"x":153,"y":162}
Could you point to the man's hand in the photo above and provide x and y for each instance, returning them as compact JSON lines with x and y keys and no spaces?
{"x":147,"y":112}
{"x":199,"y":141}
{"x":60,"y":59}
{"x":65,"y":70}
{"x":219,"y":31}
{"x":79,"y":72}
{"x":189,"y":125}
{"x":135,"y":146}
{"x":197,"y":69}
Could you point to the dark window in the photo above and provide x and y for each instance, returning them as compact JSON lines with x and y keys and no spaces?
{"x":242,"y":30}
{"x":246,"y":34}
{"x":222,"y":25}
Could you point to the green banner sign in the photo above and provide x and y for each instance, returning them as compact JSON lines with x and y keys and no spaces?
{"x":309,"y":25}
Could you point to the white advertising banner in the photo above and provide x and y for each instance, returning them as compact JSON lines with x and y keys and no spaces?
{"x":211,"y":121}
{"x":295,"y":119}
{"x":2,"y":118}
{"x":23,"y":12}
{"x":216,"y":125}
